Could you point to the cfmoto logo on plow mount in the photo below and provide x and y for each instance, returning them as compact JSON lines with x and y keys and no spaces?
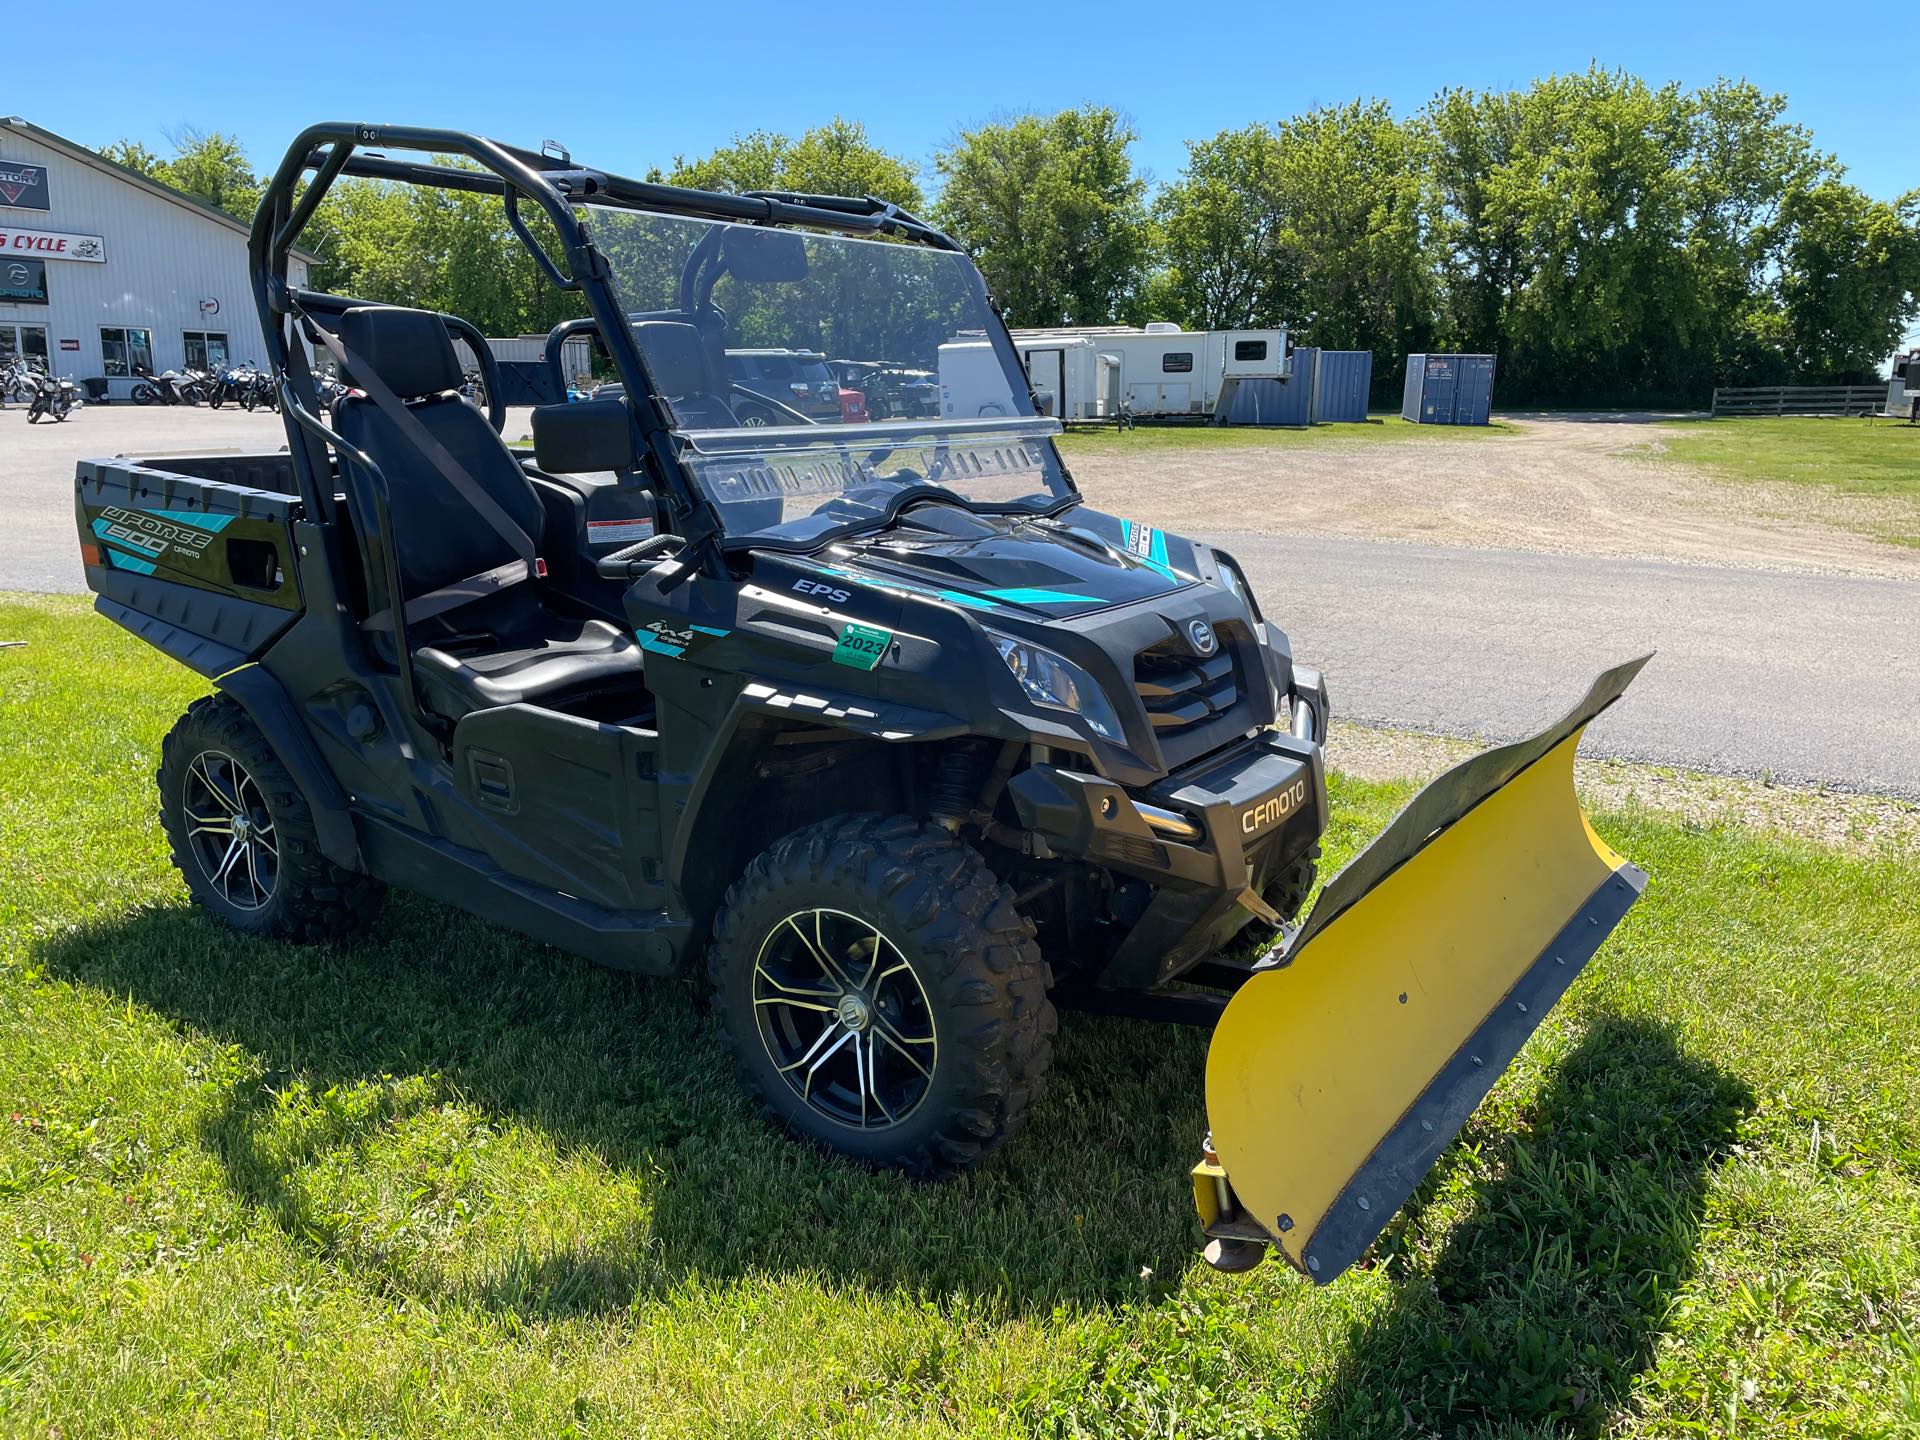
{"x":1273,"y":808}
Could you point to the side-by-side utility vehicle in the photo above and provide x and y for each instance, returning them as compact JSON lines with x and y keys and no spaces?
{"x":860,"y":708}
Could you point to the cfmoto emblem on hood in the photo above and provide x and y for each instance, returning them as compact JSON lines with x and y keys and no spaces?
{"x":1201,"y":634}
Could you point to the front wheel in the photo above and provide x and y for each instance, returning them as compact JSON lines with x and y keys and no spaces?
{"x":881,"y":994}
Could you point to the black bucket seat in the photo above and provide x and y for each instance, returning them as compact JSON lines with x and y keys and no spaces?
{"x":483,"y":630}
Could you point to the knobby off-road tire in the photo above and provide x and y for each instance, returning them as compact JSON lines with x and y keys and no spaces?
{"x":1287,"y":892}
{"x":962,"y":990}
{"x":215,"y":764}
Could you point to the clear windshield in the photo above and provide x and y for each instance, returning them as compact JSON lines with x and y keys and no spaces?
{"x":813,"y":377}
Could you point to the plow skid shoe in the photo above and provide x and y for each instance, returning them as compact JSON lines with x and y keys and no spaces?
{"x":1337,"y":1077}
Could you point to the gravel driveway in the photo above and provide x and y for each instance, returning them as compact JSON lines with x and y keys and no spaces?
{"x":1560,"y":487}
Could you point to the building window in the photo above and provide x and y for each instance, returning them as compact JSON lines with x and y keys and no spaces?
{"x":1176,"y":362}
{"x":1249,"y":349}
{"x":206,"y":349}
{"x":24,"y":341}
{"x":125,"y":352}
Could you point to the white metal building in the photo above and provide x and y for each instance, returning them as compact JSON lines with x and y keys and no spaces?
{"x":104,"y":273}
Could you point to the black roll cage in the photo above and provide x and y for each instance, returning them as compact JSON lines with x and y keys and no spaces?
{"x":554,"y":183}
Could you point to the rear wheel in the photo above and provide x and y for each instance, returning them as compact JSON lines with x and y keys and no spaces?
{"x":881,"y":994}
{"x":144,"y":394}
{"x":243,"y":836}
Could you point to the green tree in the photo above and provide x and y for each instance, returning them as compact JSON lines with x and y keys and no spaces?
{"x":1052,"y":211}
{"x":1849,"y":279}
{"x":209,"y":166}
{"x":832,"y":159}
{"x":1357,"y":221}
{"x":1219,"y":236}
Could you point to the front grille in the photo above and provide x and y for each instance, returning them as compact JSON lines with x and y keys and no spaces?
{"x":1180,"y":689}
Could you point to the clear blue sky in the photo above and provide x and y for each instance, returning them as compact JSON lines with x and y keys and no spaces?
{"x":696,"y":73}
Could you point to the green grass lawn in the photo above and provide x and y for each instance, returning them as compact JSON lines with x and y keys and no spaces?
{"x":1880,"y":460}
{"x":443,"y":1182}
{"x":1378,"y":428}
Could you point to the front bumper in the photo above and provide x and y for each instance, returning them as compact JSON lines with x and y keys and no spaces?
{"x":1204,"y":837}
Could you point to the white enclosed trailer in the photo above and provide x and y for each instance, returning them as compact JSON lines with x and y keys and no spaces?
{"x":1159,"y":372}
{"x":1903,"y":390}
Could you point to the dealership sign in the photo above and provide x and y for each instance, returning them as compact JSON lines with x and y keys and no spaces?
{"x":51,"y":245}
{"x":23,"y":187}
{"x":22,"y":282}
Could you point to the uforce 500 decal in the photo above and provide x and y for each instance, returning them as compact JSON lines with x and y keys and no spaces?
{"x":1274,"y":808}
{"x":153,"y":534}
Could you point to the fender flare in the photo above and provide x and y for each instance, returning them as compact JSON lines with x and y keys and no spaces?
{"x":268,"y":705}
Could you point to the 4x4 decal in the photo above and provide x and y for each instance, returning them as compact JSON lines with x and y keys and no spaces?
{"x":661,"y":638}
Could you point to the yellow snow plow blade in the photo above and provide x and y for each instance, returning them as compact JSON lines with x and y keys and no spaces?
{"x":1338,"y":1074}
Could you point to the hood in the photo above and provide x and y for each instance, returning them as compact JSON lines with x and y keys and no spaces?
{"x":1001,"y":562}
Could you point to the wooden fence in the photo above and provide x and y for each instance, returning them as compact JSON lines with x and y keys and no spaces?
{"x":1801,"y":400}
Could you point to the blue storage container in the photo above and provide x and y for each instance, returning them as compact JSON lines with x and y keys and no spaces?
{"x":1277,"y":402}
{"x":1448,"y":390}
{"x":1341,"y":380}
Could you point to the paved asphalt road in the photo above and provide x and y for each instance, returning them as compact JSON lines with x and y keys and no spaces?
{"x":1811,"y":678}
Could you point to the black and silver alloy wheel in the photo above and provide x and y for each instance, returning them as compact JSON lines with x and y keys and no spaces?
{"x":243,"y":834}
{"x":881,"y":993}
{"x":230,"y":830}
{"x":844,"y":1019}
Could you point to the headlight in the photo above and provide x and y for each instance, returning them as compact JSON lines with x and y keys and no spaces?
{"x":1057,"y":683}
{"x":1235,"y":584}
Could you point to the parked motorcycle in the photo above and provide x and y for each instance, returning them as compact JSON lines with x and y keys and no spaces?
{"x":16,"y":380}
{"x":58,"y":397}
{"x":261,"y":389}
{"x":332,"y":390}
{"x":227,"y":384}
{"x":171,"y":387}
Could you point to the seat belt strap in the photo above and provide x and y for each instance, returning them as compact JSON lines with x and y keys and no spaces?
{"x":422,"y":439}
{"x":447,"y":597}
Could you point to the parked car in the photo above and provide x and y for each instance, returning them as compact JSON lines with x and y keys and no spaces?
{"x":798,"y":379}
{"x":890,"y":392}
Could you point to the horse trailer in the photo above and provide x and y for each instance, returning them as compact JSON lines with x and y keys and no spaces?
{"x":1160,"y":372}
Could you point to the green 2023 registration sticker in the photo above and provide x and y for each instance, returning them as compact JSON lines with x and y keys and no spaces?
{"x":862,"y":646}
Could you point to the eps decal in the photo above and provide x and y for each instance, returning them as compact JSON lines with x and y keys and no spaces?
{"x":816,"y":589}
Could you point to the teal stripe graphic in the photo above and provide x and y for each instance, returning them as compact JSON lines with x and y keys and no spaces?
{"x":1032,"y":596}
{"x":196,"y":518}
{"x":956,"y":597}
{"x":128,"y":562}
{"x":101,"y":527}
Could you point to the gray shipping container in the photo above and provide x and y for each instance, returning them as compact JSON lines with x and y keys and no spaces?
{"x":1341,"y":379}
{"x":1277,"y":402}
{"x":1448,"y":390}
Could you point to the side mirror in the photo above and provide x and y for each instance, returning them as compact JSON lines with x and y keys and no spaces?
{"x":583,"y":437}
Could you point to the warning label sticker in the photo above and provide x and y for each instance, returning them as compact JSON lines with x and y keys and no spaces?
{"x":618,"y":532}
